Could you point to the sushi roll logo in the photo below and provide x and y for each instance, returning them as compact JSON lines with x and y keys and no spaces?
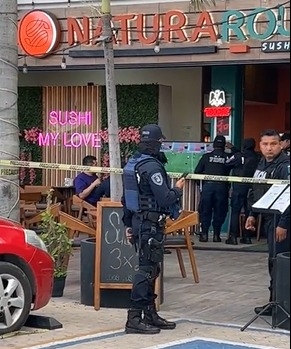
{"x":39,"y":33}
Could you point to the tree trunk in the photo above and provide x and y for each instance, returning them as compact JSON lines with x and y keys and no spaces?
{"x":9,"y":132}
{"x":113,"y":139}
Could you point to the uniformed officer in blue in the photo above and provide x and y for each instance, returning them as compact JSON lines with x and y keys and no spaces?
{"x":243,"y":164}
{"x":214,"y":196}
{"x":147,"y":202}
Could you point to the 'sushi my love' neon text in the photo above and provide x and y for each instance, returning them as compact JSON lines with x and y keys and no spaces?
{"x":68,"y":139}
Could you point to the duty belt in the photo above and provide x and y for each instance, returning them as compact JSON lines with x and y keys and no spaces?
{"x":155,"y":217}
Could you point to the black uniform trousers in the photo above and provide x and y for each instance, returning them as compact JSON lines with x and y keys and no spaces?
{"x":281,"y":247}
{"x":213,"y":203}
{"x":239,"y":200}
{"x":143,"y":288}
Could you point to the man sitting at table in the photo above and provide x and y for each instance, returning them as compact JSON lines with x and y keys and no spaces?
{"x":88,"y":186}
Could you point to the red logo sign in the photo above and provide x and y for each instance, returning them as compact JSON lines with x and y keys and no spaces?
{"x":218,"y":109}
{"x":217,"y":112}
{"x":39,"y":33}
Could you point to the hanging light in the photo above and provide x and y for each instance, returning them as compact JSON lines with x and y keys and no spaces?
{"x":64,"y":62}
{"x":157,"y":48}
{"x":25,"y":67}
{"x":218,"y":39}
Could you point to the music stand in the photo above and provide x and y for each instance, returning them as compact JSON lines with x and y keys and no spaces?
{"x":275,"y":201}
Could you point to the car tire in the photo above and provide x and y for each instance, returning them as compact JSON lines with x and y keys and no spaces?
{"x":18,"y":303}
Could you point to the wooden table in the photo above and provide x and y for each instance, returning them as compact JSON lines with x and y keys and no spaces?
{"x":65,"y":194}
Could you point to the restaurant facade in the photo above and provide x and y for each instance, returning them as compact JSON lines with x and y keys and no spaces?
{"x":222,"y":71}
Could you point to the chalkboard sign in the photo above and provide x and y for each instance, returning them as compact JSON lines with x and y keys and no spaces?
{"x":119,"y":260}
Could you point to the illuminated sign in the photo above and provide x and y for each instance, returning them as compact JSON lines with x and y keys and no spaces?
{"x":176,"y":25}
{"x":39,"y":33}
{"x":145,"y":29}
{"x":217,"y":98}
{"x":67,"y":138}
{"x":217,"y":107}
{"x":275,"y":46}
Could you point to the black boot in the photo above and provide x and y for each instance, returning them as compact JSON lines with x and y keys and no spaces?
{"x":246,"y":241}
{"x":246,"y":238}
{"x":232,"y":240}
{"x":152,"y":318}
{"x":203,"y":237}
{"x":216,"y":238}
{"x":216,"y":235}
{"x":135,"y":324}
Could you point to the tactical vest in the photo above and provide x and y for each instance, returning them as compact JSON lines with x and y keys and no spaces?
{"x":134,"y":199}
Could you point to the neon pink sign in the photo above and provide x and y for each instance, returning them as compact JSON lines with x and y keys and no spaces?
{"x":69,"y":140}
{"x":72,"y":118}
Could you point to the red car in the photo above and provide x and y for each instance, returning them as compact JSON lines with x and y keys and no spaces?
{"x":26,"y":275}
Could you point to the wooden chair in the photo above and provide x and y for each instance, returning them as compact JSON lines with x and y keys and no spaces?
{"x":105,"y":199}
{"x":30,"y":202}
{"x":83,"y":207}
{"x":55,"y":211}
{"x":26,"y":210}
{"x":180,"y":241}
{"x":242,"y":220}
{"x":74,"y":224}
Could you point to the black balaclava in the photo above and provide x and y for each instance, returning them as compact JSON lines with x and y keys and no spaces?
{"x":150,"y":147}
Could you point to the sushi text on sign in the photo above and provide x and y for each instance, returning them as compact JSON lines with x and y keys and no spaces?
{"x":69,"y":139}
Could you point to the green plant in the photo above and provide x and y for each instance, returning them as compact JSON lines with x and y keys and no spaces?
{"x":55,"y":237}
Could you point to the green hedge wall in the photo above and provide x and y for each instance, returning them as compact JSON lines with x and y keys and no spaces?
{"x":29,"y":107}
{"x":137,"y":105}
{"x":30,"y":115}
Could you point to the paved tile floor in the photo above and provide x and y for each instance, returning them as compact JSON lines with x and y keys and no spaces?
{"x":231,"y":284}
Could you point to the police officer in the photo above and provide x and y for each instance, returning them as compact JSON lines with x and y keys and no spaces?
{"x":214,"y":195}
{"x":243,"y":164}
{"x":273,"y":164}
{"x":146,"y":201}
{"x":285,"y":143}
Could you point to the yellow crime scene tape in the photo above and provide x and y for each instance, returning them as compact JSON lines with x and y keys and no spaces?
{"x":95,"y":169}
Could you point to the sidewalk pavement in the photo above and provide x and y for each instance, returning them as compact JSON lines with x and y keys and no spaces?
{"x":231,"y":285}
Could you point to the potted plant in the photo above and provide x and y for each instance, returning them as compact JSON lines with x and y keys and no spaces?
{"x":59,"y":246}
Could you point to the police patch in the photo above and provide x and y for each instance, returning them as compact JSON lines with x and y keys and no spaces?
{"x":157,"y":178}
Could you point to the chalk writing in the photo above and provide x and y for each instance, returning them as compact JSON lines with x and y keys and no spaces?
{"x":119,"y":259}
